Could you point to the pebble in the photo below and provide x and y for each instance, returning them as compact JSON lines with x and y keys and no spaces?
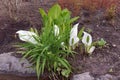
{"x":114,"y":45}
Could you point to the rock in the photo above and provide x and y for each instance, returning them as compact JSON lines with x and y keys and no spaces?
{"x":87,"y":76}
{"x":114,"y":45}
{"x":9,"y":63}
{"x":107,"y":77}
{"x":83,"y":76}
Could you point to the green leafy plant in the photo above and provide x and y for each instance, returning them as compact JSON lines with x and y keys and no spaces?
{"x":101,"y":43}
{"x":89,"y":45}
{"x":48,"y":48}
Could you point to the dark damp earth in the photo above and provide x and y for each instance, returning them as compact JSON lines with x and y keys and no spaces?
{"x":102,"y":61}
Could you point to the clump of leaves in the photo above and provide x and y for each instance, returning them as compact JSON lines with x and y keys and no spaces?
{"x":101,"y":43}
{"x":48,"y":48}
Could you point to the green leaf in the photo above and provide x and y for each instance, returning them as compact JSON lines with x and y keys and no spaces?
{"x":54,"y":12}
{"x":55,"y":65}
{"x":65,"y":14}
{"x":65,"y":72}
{"x":42,"y":12}
{"x":64,"y":11}
{"x":26,"y":54}
{"x":43,"y":65}
{"x":64,"y":63}
{"x":102,"y":42}
{"x":31,"y":29}
{"x":74,"y":19}
{"x":38,"y":68}
{"x":88,"y":38}
{"x":80,"y":33}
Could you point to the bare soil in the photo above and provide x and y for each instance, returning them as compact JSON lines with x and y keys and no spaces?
{"x":104,"y":60}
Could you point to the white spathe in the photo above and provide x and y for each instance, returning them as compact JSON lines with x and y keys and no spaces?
{"x":73,"y":35}
{"x":91,"y":49}
{"x":27,"y":36}
{"x":56,"y":30}
{"x":85,"y":40}
{"x":62,"y":43}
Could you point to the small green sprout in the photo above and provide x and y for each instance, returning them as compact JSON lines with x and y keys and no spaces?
{"x":101,"y":43}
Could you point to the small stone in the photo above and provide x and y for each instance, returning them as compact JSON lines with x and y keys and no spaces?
{"x":114,"y":45}
{"x":97,"y":25}
{"x":83,"y":76}
{"x":111,"y":70}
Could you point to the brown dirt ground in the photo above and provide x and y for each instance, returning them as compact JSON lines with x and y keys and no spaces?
{"x":102,"y":61}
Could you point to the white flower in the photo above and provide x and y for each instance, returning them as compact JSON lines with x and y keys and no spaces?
{"x":87,"y":39}
{"x":56,"y":30}
{"x":62,"y":43}
{"x":73,"y":35}
{"x":91,"y":49}
{"x":27,"y":36}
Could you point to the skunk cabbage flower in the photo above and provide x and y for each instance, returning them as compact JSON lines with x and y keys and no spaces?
{"x":62,"y":43}
{"x":27,"y":36}
{"x":56,"y":30}
{"x":73,"y":35}
{"x":91,"y":49}
{"x":87,"y":39}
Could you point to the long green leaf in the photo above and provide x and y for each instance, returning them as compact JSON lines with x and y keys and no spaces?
{"x":80,"y":33}
{"x":73,"y":19}
{"x":54,"y":12}
{"x":43,"y":65}
{"x":38,"y":68}
{"x":64,"y":63}
{"x":26,"y":54}
{"x":42,"y":12}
